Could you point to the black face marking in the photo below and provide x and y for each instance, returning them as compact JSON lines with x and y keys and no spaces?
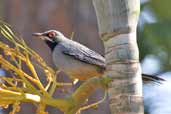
{"x":51,"y":44}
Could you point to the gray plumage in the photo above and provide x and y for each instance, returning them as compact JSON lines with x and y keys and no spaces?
{"x":76,"y":59}
{"x":82,"y":53}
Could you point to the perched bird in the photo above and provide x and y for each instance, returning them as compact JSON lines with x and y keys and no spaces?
{"x":77,"y":60}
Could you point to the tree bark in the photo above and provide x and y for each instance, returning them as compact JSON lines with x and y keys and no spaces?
{"x":117,"y":22}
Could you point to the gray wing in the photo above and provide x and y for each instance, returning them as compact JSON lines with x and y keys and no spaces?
{"x":82,"y":53}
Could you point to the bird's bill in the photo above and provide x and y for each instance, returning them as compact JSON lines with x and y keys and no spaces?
{"x":37,"y":34}
{"x":41,"y":36}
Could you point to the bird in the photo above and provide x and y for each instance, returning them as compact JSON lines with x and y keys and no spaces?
{"x":77,"y":60}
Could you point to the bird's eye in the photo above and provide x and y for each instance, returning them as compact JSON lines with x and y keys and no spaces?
{"x":51,"y":34}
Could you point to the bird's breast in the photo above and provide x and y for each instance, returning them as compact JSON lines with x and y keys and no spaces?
{"x":73,"y":67}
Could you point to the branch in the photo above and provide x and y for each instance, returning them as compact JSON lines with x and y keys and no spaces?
{"x":80,"y":96}
{"x":10,"y":97}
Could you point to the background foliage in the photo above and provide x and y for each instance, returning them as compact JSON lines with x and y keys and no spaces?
{"x":154,"y":34}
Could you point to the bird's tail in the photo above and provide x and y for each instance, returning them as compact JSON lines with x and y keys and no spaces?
{"x":152,"y":78}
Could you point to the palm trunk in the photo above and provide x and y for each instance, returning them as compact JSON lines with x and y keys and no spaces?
{"x":117,"y":22}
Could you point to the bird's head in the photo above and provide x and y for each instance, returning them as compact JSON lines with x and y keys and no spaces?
{"x":51,"y":37}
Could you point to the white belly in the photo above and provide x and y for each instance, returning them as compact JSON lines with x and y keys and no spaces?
{"x":73,"y":67}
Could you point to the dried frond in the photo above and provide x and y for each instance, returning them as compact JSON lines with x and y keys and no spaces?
{"x":27,"y":87}
{"x":22,"y":82}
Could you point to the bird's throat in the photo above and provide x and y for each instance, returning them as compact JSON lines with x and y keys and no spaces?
{"x":50,"y":44}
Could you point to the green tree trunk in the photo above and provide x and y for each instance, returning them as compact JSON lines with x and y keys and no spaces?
{"x":117,"y":22}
